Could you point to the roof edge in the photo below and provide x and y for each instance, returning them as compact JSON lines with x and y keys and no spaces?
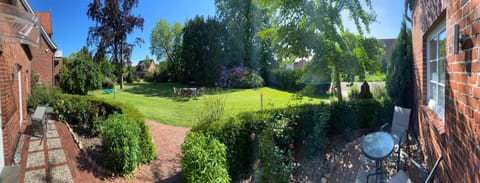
{"x":45,"y":36}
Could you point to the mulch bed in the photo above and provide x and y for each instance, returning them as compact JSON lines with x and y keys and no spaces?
{"x":91,"y":144}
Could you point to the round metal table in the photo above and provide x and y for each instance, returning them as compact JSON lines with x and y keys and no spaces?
{"x":377,"y":146}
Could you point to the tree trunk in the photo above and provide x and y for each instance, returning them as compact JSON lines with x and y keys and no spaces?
{"x":338,"y":85}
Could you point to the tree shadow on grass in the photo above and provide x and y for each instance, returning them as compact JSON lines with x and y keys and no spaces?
{"x":165,"y":90}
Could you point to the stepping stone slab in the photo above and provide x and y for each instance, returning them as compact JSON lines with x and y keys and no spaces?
{"x":35,"y":145}
{"x":61,"y":174}
{"x":52,"y":134}
{"x":53,"y":143}
{"x":35,"y":159}
{"x":36,"y":176}
{"x":56,"y":156}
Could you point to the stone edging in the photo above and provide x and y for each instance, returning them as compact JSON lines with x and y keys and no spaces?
{"x":99,"y":169}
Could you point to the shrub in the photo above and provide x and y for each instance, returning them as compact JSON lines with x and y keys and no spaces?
{"x":286,"y":79}
{"x":354,"y":92}
{"x":248,"y":79}
{"x":213,"y":108}
{"x":90,"y":112}
{"x":107,"y":83}
{"x":121,"y":143}
{"x":276,"y":164}
{"x":41,"y":95}
{"x":239,"y":136}
{"x":80,"y":77}
{"x":239,"y":77}
{"x":204,"y":159}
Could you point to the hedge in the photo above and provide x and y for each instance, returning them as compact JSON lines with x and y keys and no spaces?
{"x":92,"y":112}
{"x":312,"y":124}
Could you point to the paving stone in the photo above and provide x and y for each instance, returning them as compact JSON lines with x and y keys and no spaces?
{"x":52,"y":127}
{"x":53,"y":143}
{"x":35,"y":145}
{"x":35,"y":176}
{"x":56,"y":156}
{"x":52,"y":133}
{"x":35,"y":159}
{"x":61,"y":174}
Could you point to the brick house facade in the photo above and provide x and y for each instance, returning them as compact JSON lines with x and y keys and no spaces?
{"x":16,"y":62}
{"x":447,"y":88}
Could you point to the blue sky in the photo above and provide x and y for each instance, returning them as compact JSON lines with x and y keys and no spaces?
{"x":70,"y":22}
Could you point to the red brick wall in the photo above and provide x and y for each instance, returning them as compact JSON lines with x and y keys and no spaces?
{"x":12,"y":56}
{"x":456,"y":139}
{"x":42,"y":63}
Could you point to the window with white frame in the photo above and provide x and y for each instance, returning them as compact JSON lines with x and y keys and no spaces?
{"x":436,"y":60}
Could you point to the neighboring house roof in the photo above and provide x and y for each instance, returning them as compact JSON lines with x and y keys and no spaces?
{"x":45,"y":36}
{"x":141,"y":66}
{"x":46,"y":20}
{"x":388,"y":45}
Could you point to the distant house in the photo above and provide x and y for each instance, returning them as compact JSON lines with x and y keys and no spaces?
{"x":299,"y":62}
{"x":387,"y":46}
{"x":142,"y":68}
{"x":24,"y":43}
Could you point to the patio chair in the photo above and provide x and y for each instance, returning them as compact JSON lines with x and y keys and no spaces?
{"x":427,"y":176}
{"x":175,"y":92}
{"x":398,"y":129}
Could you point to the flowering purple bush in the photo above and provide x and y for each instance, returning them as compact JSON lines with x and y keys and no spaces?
{"x":239,"y":77}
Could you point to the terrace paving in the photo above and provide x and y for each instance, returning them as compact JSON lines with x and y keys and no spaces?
{"x":52,"y":159}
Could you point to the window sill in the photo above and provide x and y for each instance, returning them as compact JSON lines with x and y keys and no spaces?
{"x":432,"y":118}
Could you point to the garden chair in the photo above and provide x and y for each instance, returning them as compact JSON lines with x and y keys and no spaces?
{"x":427,"y":176}
{"x":175,"y":92}
{"x":398,"y":129}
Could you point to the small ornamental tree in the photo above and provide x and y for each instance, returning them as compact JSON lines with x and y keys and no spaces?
{"x":400,"y":70}
{"x":79,"y":76}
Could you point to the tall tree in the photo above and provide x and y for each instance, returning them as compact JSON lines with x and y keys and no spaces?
{"x":316,"y":25}
{"x":165,"y":42}
{"x":400,"y":69}
{"x":242,"y":19}
{"x":202,"y":49}
{"x":114,"y":22}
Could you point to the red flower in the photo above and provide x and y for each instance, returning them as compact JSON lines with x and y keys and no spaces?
{"x":291,"y":146}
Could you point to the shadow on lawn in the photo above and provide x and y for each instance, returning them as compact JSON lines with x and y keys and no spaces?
{"x":165,"y":90}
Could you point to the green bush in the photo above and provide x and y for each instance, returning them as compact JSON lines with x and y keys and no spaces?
{"x":354,"y":92}
{"x":276,"y":165}
{"x":204,"y":159}
{"x":121,"y":143}
{"x":286,"y":79}
{"x":239,"y":136}
{"x":107,"y":83}
{"x":90,"y":111}
{"x":41,"y":95}
{"x":249,"y":79}
{"x":80,"y":76}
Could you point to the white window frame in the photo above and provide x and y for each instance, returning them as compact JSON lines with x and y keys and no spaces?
{"x":433,"y":98}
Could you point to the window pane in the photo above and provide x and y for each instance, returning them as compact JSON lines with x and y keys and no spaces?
{"x":441,"y":96}
{"x":433,"y":71}
{"x":433,"y":48}
{"x":432,"y":92}
{"x":441,"y":44}
{"x":441,"y":70}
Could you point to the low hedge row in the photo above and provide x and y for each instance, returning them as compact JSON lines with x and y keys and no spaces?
{"x":305,"y":126}
{"x":95,"y":114}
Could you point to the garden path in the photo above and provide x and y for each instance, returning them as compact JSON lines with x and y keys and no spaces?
{"x":167,"y":167}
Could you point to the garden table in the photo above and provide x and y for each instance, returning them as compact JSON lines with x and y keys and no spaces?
{"x":377,"y":146}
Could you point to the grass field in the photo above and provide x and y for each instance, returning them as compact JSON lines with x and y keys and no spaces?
{"x":156,"y":101}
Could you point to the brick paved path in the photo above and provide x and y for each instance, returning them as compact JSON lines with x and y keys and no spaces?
{"x":57,"y":158}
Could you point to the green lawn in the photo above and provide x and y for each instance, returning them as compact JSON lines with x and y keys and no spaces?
{"x":156,"y":101}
